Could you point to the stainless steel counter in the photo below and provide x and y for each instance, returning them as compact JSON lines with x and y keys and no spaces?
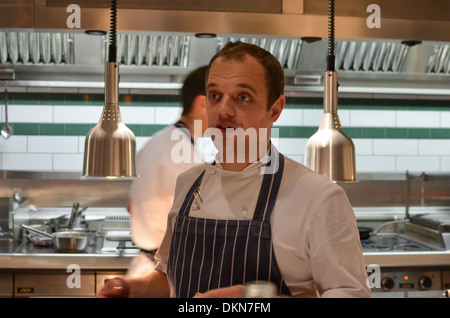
{"x":95,"y":261}
{"x":47,"y":258}
{"x":408,"y":259}
{"x":28,"y":256}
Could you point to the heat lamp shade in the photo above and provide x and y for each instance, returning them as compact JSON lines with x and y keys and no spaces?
{"x":330,"y":152}
{"x":110,"y":147}
{"x":110,"y":151}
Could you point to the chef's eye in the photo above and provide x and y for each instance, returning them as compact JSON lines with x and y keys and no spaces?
{"x":212,"y":96}
{"x":244,"y":98}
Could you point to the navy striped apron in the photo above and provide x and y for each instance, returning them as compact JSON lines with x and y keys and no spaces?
{"x":208,"y":253}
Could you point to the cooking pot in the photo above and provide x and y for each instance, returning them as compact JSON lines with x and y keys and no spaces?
{"x":37,"y":239}
{"x":365,"y":232}
{"x":67,"y":241}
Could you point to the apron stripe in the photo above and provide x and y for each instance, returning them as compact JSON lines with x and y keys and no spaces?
{"x":244,"y":278}
{"x":212,"y":255}
{"x":203,"y":255}
{"x":192,"y":256}
{"x":233,"y":252}
{"x":273,"y":195}
{"x":223,"y":255}
{"x":184,"y":254}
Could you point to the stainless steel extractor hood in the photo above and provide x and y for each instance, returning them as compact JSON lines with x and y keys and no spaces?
{"x":158,"y":43}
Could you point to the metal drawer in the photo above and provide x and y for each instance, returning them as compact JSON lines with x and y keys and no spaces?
{"x":6,"y":284}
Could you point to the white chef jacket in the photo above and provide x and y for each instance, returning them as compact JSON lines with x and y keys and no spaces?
{"x":314,"y":232}
{"x":152,"y":192}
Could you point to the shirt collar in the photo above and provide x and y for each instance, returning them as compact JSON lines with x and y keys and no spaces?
{"x":256,"y":164}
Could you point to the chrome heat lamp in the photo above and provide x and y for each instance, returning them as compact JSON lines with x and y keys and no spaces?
{"x":330,"y":152}
{"x":110,"y":147}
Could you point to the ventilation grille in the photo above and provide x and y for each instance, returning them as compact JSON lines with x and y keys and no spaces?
{"x":439,"y":61}
{"x":153,"y":50}
{"x":36,"y":48}
{"x":287,"y":51}
{"x":370,"y":56}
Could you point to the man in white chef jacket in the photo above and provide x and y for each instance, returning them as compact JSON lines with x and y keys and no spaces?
{"x":252,"y":214}
{"x":158,"y":165}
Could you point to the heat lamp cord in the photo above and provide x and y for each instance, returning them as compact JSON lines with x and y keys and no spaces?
{"x":331,"y":41}
{"x":113,"y":33}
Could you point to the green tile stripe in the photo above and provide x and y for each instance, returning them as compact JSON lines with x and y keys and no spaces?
{"x":175,"y":101}
{"x":91,"y":99}
{"x":30,"y":129}
{"x":27,"y":129}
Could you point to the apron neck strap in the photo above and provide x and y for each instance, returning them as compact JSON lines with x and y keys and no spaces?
{"x":181,"y":124}
{"x":269,"y":189}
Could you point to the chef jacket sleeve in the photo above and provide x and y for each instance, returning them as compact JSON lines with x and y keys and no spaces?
{"x":336,"y":258}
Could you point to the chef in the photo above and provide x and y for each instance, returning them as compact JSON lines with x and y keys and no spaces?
{"x":237,"y":219}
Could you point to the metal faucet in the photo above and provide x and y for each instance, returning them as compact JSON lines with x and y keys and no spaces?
{"x":14,"y":202}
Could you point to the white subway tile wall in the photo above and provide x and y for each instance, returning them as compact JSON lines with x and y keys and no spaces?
{"x":52,"y":144}
{"x":73,"y":114}
{"x":27,"y":162}
{"x":68,"y":162}
{"x":372,"y":118}
{"x":445,"y":164}
{"x":65,"y":153}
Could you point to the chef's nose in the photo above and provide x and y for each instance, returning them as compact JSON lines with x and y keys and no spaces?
{"x":226,"y":107}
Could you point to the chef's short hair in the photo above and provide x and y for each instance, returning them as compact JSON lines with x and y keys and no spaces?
{"x":193,"y":85}
{"x":273,"y":70}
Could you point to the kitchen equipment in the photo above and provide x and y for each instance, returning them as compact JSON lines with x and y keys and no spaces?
{"x":365,"y":232}
{"x":433,"y":229}
{"x":259,"y":289}
{"x":392,"y":242}
{"x":436,"y":221}
{"x":79,"y":220}
{"x":38,"y":239}
{"x":119,"y":241}
{"x":73,"y":215}
{"x":330,"y":152}
{"x":41,"y":241}
{"x":110,"y":147}
{"x":68,"y":241}
{"x":6,"y":130}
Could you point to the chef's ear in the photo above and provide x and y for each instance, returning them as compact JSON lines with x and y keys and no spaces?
{"x":199,"y":103}
{"x":277,"y":108}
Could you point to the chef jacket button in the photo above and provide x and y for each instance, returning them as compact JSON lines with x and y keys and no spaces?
{"x":212,"y":171}
{"x":244,"y":212}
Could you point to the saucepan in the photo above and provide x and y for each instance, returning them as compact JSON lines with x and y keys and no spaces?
{"x":65,"y":241}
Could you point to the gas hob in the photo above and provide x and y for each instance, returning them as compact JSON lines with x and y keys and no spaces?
{"x":392,"y":243}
